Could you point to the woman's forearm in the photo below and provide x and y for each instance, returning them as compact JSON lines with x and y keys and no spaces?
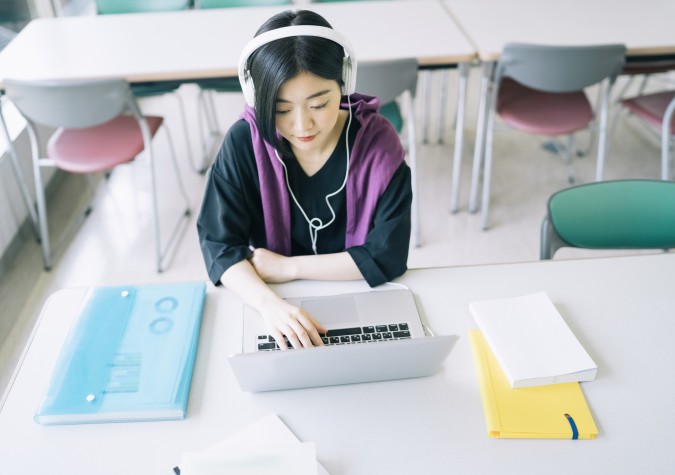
{"x":339,"y":266}
{"x":243,"y":280}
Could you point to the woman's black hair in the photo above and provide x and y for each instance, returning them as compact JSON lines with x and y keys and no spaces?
{"x":274,"y":63}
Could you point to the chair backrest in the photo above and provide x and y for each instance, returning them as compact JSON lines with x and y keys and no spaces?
{"x":560,"y":68}
{"x":239,"y":3}
{"x":621,"y":214}
{"x":387,"y":79}
{"x":70,"y":104}
{"x":104,"y":7}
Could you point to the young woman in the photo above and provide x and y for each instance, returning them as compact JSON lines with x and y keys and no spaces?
{"x":311,"y":183}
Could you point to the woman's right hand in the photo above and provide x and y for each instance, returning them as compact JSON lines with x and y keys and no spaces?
{"x":298,"y":326}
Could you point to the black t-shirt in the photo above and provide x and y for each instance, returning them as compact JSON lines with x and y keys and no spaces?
{"x":231,"y":217}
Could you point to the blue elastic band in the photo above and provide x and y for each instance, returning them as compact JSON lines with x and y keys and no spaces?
{"x":575,"y":432}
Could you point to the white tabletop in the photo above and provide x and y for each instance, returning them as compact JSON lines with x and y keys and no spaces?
{"x":206,"y":43}
{"x":621,"y":309}
{"x":644,"y":26}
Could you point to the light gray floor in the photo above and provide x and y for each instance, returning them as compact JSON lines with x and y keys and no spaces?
{"x":114,"y":245}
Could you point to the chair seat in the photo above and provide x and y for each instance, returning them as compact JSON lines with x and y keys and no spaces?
{"x":148,"y":89}
{"x":220,"y":84}
{"x":651,"y":107}
{"x":539,"y":112}
{"x":623,"y":214}
{"x":99,"y":148}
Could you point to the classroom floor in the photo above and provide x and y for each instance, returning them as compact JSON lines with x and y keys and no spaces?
{"x":114,"y":245}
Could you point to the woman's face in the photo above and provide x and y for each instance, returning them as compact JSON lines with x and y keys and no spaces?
{"x":308,"y":109}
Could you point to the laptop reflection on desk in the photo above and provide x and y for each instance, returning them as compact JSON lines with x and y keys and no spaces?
{"x":372,"y":336}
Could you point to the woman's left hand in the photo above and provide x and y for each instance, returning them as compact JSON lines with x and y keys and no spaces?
{"x":272,"y":267}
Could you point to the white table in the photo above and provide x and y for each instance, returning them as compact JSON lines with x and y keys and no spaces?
{"x":644,"y":26}
{"x":621,"y":309}
{"x":206,"y":43}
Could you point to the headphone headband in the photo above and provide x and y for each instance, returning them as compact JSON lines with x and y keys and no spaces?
{"x":349,"y":63}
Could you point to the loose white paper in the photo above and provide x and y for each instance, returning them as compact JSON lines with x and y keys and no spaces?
{"x":265,"y":447}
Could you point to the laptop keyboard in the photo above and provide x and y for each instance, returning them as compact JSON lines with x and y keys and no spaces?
{"x":347,"y":336}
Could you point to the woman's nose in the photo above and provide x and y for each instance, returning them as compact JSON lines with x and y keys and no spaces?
{"x":302,"y":121}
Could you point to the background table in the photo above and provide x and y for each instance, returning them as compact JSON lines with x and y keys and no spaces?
{"x":621,"y":309}
{"x":645,"y":26}
{"x":196,"y":44}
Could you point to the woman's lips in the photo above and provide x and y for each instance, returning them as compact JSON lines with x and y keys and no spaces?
{"x":309,"y":138}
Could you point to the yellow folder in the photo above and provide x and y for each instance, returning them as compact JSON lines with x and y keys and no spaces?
{"x":556,"y":411}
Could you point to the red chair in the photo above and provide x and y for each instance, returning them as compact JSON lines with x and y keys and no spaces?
{"x":657,"y":110}
{"x":99,"y":127}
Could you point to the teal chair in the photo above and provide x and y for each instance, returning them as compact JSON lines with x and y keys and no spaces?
{"x":208,"y":87}
{"x":105,"y":7}
{"x":239,"y":3}
{"x":621,"y":214}
{"x":153,"y":89}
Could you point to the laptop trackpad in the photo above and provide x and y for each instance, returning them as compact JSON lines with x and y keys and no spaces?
{"x":332,"y":311}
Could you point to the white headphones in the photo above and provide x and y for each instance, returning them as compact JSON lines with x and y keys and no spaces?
{"x":348,"y":66}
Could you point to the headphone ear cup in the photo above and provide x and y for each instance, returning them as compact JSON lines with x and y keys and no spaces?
{"x":348,"y":76}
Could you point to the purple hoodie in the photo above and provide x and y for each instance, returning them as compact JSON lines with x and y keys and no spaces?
{"x":376,"y":155}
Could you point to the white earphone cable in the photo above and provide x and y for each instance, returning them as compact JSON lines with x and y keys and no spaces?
{"x":316,"y":224}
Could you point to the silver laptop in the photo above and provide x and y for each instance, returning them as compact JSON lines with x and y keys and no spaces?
{"x":372,"y":336}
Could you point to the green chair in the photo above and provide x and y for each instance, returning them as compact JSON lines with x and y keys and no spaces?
{"x":239,"y":3}
{"x":621,"y":214}
{"x":153,"y":89}
{"x":208,"y":87}
{"x":105,"y":7}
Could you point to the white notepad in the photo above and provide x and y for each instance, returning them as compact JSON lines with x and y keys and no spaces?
{"x":531,"y":341}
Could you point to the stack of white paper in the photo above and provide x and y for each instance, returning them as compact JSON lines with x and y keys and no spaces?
{"x":265,"y":447}
{"x":531,"y":341}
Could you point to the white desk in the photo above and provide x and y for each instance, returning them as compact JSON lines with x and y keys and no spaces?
{"x":620,"y":308}
{"x":206,"y":43}
{"x":644,"y":26}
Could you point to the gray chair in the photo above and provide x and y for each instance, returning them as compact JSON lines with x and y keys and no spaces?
{"x":540,"y":90}
{"x":99,"y":126}
{"x":391,"y":82}
{"x":620,"y":214}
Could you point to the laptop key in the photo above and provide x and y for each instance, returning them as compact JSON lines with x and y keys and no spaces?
{"x":366,"y":337}
{"x":387,"y":335}
{"x":402,"y":326}
{"x":267,"y":346}
{"x":381,"y":328}
{"x":356,"y":338}
{"x":402,"y":334}
{"x":368,"y":329}
{"x":377,"y":336}
{"x":393,"y":328}
{"x":344,"y":339}
{"x":334,"y":339}
{"x":344,"y":331}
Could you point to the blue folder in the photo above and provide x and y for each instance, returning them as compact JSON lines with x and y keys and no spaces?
{"x":128,"y":356}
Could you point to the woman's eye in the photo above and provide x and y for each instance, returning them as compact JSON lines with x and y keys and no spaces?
{"x":282,"y":112}
{"x":320,"y":106}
